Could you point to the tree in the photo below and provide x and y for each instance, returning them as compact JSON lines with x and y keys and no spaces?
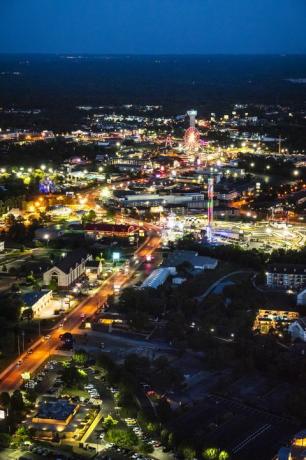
{"x":122,"y":438}
{"x":5,"y":439}
{"x":80,"y":357}
{"x":21,"y":436}
{"x":17,"y":403}
{"x":109,"y":422}
{"x":71,"y":376}
{"x":211,"y":453}
{"x":145,"y":448}
{"x":5,"y":400}
{"x":27,"y":314}
{"x":188,"y":452}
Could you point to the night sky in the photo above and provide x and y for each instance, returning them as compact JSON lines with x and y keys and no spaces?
{"x":153,"y":26}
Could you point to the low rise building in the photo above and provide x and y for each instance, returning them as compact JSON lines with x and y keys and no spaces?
{"x":105,"y":229}
{"x":286,"y":276}
{"x":156,"y":278}
{"x":296,"y":450}
{"x":37,"y":301}
{"x":148,"y":200}
{"x":48,"y":233}
{"x":301,"y":298}
{"x":55,"y":412}
{"x":93,"y":268}
{"x":197,"y":262}
{"x":298,"y":329}
{"x":68,"y":270}
{"x":268,"y":319}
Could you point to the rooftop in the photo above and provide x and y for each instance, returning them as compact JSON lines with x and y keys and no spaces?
{"x":30,"y":298}
{"x":179,"y":257}
{"x":298,"y":269}
{"x":59,"y":409}
{"x":71,"y":260}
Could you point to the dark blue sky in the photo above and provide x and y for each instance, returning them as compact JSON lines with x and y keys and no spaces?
{"x":153,"y":26}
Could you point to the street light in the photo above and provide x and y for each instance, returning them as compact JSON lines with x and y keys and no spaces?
{"x":46,"y":237}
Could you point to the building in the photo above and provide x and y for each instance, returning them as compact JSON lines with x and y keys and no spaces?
{"x":104,"y":229}
{"x":156,"y":278}
{"x":147,"y":200}
{"x":68,"y":270}
{"x":37,"y":301}
{"x":298,"y":329}
{"x":297,"y":449}
{"x":290,"y":276}
{"x":268,"y":319}
{"x":197,"y":262}
{"x":2,"y":246}
{"x":55,"y":412}
{"x":301,"y":298}
{"x":48,"y":233}
{"x":93,"y":268}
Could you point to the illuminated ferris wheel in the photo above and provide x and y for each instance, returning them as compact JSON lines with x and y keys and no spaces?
{"x":192,"y":139}
{"x":192,"y":135}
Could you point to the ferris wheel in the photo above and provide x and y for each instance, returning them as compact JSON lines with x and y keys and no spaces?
{"x":192,"y":138}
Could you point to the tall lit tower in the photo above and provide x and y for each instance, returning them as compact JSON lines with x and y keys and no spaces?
{"x":192,"y":116}
{"x":210,"y":209}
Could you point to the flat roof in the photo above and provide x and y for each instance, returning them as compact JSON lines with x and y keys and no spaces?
{"x":60,"y":410}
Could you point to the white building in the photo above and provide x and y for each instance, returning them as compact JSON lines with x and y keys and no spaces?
{"x":297,"y":329}
{"x":37,"y":301}
{"x":156,"y":278}
{"x":148,"y":200}
{"x":68,"y":270}
{"x":1,"y":246}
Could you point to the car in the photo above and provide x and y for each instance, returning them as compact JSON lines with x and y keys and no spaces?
{"x":30,"y":351}
{"x":19,"y":363}
{"x":47,"y":337}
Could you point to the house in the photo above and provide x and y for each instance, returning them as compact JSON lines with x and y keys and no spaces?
{"x":37,"y":301}
{"x":68,"y":270}
{"x":286,"y":276}
{"x":298,"y":329}
{"x":197,"y":262}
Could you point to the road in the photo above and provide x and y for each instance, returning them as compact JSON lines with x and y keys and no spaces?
{"x":213,"y":286}
{"x":11,"y":377}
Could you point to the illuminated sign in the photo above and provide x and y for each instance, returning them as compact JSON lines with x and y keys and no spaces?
{"x":116,"y":256}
